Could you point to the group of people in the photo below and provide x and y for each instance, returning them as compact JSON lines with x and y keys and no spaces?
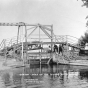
{"x":57,"y":49}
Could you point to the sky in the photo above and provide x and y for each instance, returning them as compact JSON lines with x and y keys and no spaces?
{"x":66,"y":16}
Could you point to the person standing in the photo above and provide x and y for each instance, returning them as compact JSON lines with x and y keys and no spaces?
{"x":61,"y":49}
{"x":55,"y":48}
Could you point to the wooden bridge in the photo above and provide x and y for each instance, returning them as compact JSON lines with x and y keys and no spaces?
{"x":33,"y":40}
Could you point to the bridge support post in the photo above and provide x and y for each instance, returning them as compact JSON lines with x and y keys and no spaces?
{"x":22,"y":55}
{"x":18,"y":34}
{"x":51,"y":55}
{"x":51,"y":37}
{"x":5,"y":63}
{"x":40,"y":51}
{"x":26,"y":44}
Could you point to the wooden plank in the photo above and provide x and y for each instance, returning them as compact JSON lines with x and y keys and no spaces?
{"x":79,"y":62}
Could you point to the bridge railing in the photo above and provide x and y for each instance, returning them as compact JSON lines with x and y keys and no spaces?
{"x":72,"y":40}
{"x":59,"y":38}
{"x":8,"y":42}
{"x":2,"y":45}
{"x":66,"y":39}
{"x":56,"y":38}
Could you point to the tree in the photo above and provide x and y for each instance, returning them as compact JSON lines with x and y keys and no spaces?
{"x":85,"y":3}
{"x":81,"y":41}
{"x":84,"y":39}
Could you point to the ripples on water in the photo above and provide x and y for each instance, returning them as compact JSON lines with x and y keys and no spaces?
{"x":56,"y":76}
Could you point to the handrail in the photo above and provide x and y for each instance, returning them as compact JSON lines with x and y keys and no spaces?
{"x":2,"y":44}
{"x":56,"y":38}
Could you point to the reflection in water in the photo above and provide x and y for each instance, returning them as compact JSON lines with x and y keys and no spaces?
{"x":45,"y":76}
{"x":6,"y":79}
{"x":83,"y":74}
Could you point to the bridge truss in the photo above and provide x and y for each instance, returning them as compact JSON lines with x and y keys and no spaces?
{"x":31,"y":34}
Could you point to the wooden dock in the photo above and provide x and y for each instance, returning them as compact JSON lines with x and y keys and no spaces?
{"x":65,"y":60}
{"x":79,"y":62}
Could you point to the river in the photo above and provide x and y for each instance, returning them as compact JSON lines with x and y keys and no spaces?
{"x":45,"y":76}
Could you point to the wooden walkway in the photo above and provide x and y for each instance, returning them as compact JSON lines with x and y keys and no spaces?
{"x":79,"y":62}
{"x":66,"y":60}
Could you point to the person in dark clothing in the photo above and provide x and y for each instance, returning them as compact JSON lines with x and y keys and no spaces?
{"x":55,"y":48}
{"x":60,"y":49}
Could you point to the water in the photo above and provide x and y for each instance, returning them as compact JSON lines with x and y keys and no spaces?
{"x":56,"y":76}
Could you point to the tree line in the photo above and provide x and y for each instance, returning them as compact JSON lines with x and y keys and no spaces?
{"x":84,"y":39}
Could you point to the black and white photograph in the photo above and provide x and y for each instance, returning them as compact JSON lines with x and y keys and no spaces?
{"x":43,"y":43}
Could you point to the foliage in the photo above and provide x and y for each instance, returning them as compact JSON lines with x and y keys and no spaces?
{"x":84,"y":39}
{"x":85,"y":3}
